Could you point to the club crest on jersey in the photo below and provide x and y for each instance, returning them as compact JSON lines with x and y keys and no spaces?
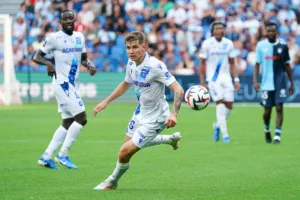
{"x":279,"y":50}
{"x":144,"y":73}
{"x":78,"y":40}
{"x":225,"y":46}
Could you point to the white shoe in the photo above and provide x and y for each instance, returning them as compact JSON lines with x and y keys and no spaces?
{"x":175,"y":137}
{"x":107,"y":185}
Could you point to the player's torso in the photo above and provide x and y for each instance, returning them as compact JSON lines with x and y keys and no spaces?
{"x":67,"y":54}
{"x":147,"y":89}
{"x":218,"y":59}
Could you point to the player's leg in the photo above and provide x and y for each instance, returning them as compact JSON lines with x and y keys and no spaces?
{"x":221,"y":120}
{"x":72,"y":134}
{"x":126,"y":152}
{"x":216,"y":93}
{"x":57,"y":140}
{"x":140,"y":139}
{"x":279,"y":121}
{"x":267,"y":102}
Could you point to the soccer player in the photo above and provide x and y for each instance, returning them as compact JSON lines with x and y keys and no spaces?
{"x":273,"y":55}
{"x":68,"y":47}
{"x":217,"y":55}
{"x":149,"y":76}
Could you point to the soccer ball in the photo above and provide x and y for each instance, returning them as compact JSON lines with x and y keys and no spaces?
{"x":197,"y":97}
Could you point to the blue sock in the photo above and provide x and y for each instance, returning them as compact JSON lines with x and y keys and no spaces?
{"x":278,"y":131}
{"x":267,"y":127}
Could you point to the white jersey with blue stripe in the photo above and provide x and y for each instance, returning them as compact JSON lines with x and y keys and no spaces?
{"x":67,"y":52}
{"x":217,"y":56}
{"x":149,"y":80}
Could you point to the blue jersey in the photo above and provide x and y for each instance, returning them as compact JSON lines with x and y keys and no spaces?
{"x":272,"y":57}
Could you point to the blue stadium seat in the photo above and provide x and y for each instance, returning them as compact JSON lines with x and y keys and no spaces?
{"x":249,"y":70}
{"x":42,"y":68}
{"x":114,"y":63}
{"x":298,"y":39}
{"x":25,"y":68}
{"x":104,"y":50}
{"x":98,"y":62}
{"x":120,"y":41}
{"x":296,"y":70}
{"x":117,"y":51}
{"x":102,"y":20}
{"x":30,"y":40}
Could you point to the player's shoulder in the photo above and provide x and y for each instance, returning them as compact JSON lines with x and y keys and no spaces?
{"x":282,"y":43}
{"x":154,"y":63}
{"x":262,"y":43}
{"x":77,"y":33}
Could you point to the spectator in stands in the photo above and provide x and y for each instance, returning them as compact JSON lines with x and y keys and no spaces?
{"x":87,"y":16}
{"x":42,"y":6}
{"x":185,"y":67}
{"x":19,"y":27}
{"x":171,"y":62}
{"x":240,"y":64}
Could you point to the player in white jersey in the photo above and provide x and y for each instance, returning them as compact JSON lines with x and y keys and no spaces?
{"x":68,"y":47}
{"x":149,"y":76}
{"x":217,"y":55}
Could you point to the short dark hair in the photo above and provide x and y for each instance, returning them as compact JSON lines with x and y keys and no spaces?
{"x":136,"y":35}
{"x":64,"y":11}
{"x":270,"y":23}
{"x":215,"y":23}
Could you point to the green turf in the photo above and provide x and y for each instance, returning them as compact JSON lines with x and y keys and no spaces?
{"x":247,"y":168}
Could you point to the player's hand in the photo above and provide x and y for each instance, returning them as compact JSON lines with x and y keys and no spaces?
{"x":291,"y":89}
{"x":171,"y":121}
{"x":51,"y":70}
{"x":237,"y":86}
{"x":99,"y":107}
{"x":256,"y":87}
{"x":91,"y":68}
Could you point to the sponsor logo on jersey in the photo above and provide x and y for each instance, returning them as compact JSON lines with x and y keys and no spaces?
{"x":71,"y":50}
{"x":141,"y":84}
{"x":272,"y":57}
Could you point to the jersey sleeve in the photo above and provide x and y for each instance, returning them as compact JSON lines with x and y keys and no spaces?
{"x":163,"y":75}
{"x":231,"y":53}
{"x":286,"y":55}
{"x":128,"y":78}
{"x":48,"y":45}
{"x":258,"y":54}
{"x":83,"y":50}
{"x":204,"y":50}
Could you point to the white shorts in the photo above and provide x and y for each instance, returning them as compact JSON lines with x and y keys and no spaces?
{"x":142,"y":134}
{"x":69,"y":102}
{"x":222,"y":89}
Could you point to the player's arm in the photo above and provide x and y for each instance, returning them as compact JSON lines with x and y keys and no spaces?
{"x":88,"y":64}
{"x":39,"y":59}
{"x":178,"y":96}
{"x":234,"y":74}
{"x":255,"y":75}
{"x":289,"y":70}
{"x":203,"y":56}
{"x":256,"y":68}
{"x":119,"y":91}
{"x":202,"y":72}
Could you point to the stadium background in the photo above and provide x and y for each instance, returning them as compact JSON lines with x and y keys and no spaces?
{"x":247,"y":168}
{"x":175,"y":30}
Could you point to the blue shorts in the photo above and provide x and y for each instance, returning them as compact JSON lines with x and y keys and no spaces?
{"x":271,"y":98}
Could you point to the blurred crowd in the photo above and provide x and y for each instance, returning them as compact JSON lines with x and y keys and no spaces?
{"x":175,"y":29}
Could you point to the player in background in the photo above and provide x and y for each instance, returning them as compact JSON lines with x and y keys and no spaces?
{"x":149,"y":77}
{"x":68,"y":47}
{"x":273,"y":55}
{"x":217,"y":56}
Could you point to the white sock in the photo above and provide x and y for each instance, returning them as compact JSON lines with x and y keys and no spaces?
{"x":160,"y":139}
{"x":72,"y":134}
{"x":227,"y":113}
{"x":221,"y":118}
{"x":56,"y":141}
{"x":120,"y":169}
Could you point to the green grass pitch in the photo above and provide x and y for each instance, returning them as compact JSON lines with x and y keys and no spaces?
{"x":247,"y":168}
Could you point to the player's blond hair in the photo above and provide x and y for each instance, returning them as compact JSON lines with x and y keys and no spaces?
{"x":136,"y":35}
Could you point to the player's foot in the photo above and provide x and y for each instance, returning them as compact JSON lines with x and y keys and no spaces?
{"x":226,"y":139}
{"x":108,"y":184}
{"x":216,"y":132}
{"x":268,"y":137}
{"x":65,"y":161}
{"x":47,"y":163}
{"x":276,"y":139}
{"x":175,"y":137}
